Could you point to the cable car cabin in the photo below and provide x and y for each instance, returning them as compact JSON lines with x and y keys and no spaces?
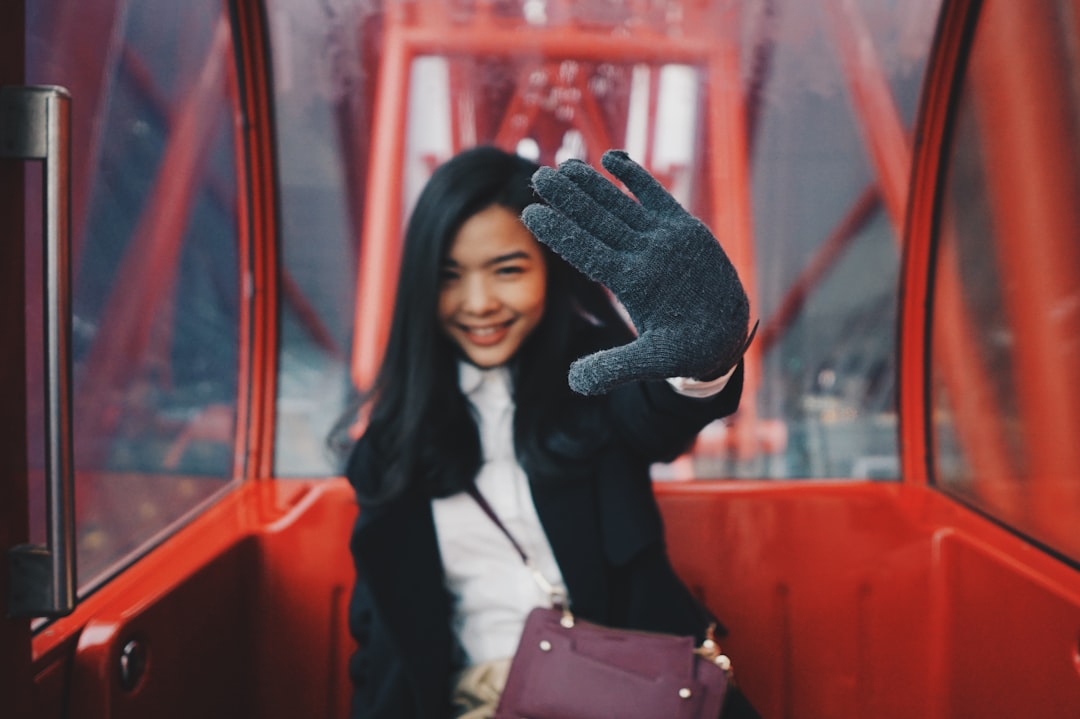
{"x":202,"y":206}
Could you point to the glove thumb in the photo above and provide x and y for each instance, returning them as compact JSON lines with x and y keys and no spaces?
{"x":602,"y":371}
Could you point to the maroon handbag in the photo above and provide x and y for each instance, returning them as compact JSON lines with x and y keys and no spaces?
{"x":567,"y":668}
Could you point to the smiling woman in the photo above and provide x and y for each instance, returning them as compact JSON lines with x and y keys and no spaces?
{"x":474,"y":396}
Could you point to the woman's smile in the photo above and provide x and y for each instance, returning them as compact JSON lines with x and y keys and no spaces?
{"x":488,"y":335}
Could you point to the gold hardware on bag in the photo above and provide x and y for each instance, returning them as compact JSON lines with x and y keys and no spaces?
{"x":710,"y":650}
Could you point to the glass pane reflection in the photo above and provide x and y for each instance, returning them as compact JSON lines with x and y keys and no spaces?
{"x":156,"y":297}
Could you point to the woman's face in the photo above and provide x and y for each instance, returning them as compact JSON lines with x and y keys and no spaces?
{"x":492,"y":287}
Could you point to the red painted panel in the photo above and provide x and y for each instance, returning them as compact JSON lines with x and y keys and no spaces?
{"x":843,"y":600}
{"x":197,"y":634}
{"x":1011,"y":637}
{"x":877,"y":600}
{"x":819,"y":585}
{"x":242,"y":613}
{"x":302,"y":643}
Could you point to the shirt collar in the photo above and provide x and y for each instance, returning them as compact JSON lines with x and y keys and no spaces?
{"x":471,"y":378}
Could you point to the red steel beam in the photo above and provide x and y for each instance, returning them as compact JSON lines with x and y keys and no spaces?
{"x":380,"y":242}
{"x":975,"y":410}
{"x":1029,"y":129}
{"x":568,"y":42}
{"x":729,"y":182}
{"x":880,"y":121}
{"x":403,"y":41}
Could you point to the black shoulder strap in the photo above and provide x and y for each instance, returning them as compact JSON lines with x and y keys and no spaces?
{"x":484,"y":505}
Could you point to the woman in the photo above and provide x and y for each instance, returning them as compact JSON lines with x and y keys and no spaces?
{"x":473,"y":390}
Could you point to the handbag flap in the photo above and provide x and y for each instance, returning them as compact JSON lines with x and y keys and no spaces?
{"x":586,"y":671}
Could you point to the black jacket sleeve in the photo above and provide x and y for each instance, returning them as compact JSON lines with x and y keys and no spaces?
{"x":380,"y":684}
{"x":657,"y":423}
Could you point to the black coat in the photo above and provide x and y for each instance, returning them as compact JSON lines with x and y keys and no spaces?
{"x":605,"y":530}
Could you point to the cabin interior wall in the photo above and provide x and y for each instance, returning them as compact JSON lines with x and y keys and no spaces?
{"x":870,"y":600}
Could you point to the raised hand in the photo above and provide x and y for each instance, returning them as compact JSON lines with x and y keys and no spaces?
{"x":666,"y":268}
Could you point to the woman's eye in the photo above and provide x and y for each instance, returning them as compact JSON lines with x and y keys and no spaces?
{"x":447,"y":275}
{"x":510,"y":270}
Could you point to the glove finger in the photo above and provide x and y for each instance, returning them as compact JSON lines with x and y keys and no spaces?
{"x":566,"y":196}
{"x":645,"y":187}
{"x":575,"y":245}
{"x":602,"y":371}
{"x":607,"y":194}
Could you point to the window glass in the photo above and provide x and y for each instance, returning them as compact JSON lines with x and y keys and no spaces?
{"x":826,"y":243}
{"x":324,"y":75}
{"x":819,"y":247}
{"x":1006,"y":309}
{"x":156,"y":299}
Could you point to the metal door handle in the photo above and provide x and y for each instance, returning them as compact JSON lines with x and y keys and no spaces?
{"x":35,"y":124}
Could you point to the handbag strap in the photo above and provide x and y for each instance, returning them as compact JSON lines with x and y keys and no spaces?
{"x":558,"y":597}
{"x":486,"y":506}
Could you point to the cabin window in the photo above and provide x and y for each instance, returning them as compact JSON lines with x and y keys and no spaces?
{"x":156,"y":275}
{"x":811,"y":206}
{"x":1006,"y":286}
{"x":324,"y":78}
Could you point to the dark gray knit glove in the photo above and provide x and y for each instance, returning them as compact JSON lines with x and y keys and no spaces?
{"x":669,"y":272}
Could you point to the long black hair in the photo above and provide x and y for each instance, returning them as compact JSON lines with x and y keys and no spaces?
{"x":423,"y":433}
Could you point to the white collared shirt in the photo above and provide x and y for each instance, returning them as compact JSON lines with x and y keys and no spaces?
{"x":493,"y":589}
